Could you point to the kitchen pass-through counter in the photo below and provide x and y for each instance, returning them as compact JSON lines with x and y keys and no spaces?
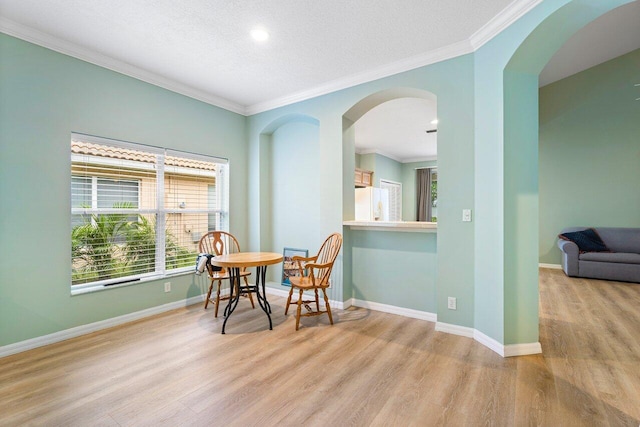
{"x":404,"y":226}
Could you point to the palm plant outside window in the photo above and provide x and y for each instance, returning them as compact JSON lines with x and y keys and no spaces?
{"x":137,"y":212}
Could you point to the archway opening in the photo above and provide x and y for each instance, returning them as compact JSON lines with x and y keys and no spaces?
{"x":521,"y":168}
{"x":387,"y":137}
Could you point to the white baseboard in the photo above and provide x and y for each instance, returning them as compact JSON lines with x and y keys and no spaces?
{"x":503,"y":350}
{"x":454,"y":329}
{"x":553,"y":266}
{"x":392,"y":309}
{"x":385,"y":308}
{"x":522,"y":349}
{"x":285,"y":294}
{"x":489,"y":342}
{"x":66,"y":334}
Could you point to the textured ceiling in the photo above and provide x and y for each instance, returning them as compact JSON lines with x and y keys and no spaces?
{"x":205,"y":46}
{"x":202,"y":48}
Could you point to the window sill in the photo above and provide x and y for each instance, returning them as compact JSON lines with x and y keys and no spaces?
{"x":100,"y":288}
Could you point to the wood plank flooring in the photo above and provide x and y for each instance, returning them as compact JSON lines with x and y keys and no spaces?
{"x":370,"y":368}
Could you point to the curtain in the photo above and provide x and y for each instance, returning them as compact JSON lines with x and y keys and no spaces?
{"x":423,"y":197}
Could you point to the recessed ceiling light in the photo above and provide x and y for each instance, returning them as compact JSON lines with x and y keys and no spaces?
{"x":259,"y":34}
{"x":434,"y":121}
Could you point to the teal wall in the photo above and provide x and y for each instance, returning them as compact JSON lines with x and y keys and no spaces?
{"x":383,"y":264}
{"x":388,"y":169}
{"x":44,"y":97}
{"x":367,"y":162}
{"x":452,"y":82}
{"x":589,"y":151}
{"x":506,"y":138}
{"x":487,"y":161}
{"x":294,"y":154}
{"x":382,"y":167}
{"x":383,"y":275}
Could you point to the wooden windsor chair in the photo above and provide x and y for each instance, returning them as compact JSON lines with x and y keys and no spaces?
{"x":220,"y":243}
{"x":319,"y":270}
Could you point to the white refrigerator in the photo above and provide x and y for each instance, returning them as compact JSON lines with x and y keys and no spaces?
{"x":372,"y":204}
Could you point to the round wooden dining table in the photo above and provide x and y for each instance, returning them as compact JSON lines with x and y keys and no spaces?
{"x":241,"y":260}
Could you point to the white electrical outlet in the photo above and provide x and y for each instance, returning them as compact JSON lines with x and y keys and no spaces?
{"x":167,"y":287}
{"x":466,"y":215}
{"x":451,"y":303}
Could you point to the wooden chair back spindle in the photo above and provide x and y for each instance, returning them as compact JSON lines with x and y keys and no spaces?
{"x":220,"y":243}
{"x":319,"y":268}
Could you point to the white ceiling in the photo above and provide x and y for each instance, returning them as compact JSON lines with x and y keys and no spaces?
{"x":203,"y":49}
{"x":611,"y":35}
{"x":397,"y":129}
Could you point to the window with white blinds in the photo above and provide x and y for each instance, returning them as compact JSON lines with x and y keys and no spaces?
{"x":395,"y":198}
{"x":137,"y":212}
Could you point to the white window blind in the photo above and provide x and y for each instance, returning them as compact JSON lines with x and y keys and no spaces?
{"x":137,"y":211}
{"x":395,"y":198}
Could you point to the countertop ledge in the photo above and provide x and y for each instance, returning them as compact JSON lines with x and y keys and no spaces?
{"x":405,"y":226}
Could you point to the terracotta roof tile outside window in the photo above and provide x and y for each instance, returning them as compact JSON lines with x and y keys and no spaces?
{"x":88,"y":148}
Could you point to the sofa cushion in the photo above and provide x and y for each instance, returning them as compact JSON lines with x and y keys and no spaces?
{"x":620,"y":239}
{"x":587,"y":240}
{"x":618,"y":257}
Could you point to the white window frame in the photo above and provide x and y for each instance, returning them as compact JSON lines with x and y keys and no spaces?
{"x":160,"y":211}
{"x":94,"y":187}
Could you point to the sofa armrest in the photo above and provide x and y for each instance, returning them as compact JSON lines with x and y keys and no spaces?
{"x":570,"y":254}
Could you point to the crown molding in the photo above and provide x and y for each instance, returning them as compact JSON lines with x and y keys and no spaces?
{"x":420,"y":159}
{"x":431,"y":57}
{"x":380,"y":152}
{"x":497,"y":24}
{"x":67,"y":48}
{"x":504,"y":19}
{"x":501,"y":21}
{"x":397,"y":159}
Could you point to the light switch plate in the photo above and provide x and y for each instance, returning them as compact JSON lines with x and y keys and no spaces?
{"x":466,"y":215}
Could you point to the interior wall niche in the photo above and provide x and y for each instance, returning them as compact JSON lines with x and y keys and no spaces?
{"x":290,"y":183}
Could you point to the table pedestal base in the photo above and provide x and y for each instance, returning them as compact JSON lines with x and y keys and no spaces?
{"x":236,"y":289}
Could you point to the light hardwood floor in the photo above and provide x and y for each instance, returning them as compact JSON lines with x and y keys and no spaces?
{"x":370,"y":368}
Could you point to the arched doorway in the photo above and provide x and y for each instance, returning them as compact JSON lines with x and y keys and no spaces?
{"x":520,"y":158}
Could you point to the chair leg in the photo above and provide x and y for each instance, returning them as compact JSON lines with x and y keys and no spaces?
{"x":218,"y":298}
{"x":206,"y":301}
{"x":326,"y":301}
{"x":286,"y":309}
{"x":249,"y":293}
{"x":317,"y":300}
{"x":299,"y":310}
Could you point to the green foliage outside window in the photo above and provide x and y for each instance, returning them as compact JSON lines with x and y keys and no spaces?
{"x":434,"y":197}
{"x":113,"y":245}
